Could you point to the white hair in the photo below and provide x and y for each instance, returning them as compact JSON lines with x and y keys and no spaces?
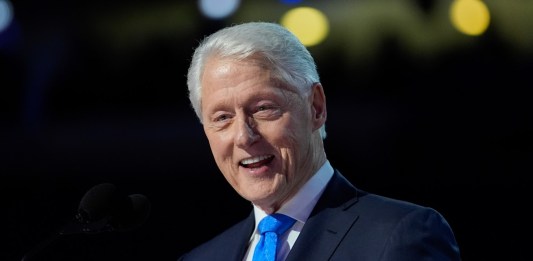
{"x":289,"y":61}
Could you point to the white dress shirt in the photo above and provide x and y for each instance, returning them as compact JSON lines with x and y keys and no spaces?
{"x":298,"y":207}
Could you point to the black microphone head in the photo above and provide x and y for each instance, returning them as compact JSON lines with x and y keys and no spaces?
{"x":131,"y":214}
{"x":98,"y":202}
{"x":103,"y":208}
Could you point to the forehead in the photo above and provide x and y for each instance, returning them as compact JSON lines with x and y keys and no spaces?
{"x":221,"y":71}
{"x":219,"y":66}
{"x":229,"y":81}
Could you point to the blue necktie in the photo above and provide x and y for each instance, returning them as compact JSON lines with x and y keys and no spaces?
{"x":271,"y":227}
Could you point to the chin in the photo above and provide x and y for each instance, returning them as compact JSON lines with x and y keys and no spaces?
{"x":257,"y":198}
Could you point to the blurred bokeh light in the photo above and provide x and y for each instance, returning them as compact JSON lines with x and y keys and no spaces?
{"x":308,"y":24}
{"x":291,"y":2}
{"x":6,"y":14}
{"x":218,"y":9}
{"x":471,"y":17}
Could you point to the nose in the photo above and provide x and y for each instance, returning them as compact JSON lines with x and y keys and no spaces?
{"x":246,"y":134}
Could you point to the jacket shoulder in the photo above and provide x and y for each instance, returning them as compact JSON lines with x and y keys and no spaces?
{"x":228,"y":245}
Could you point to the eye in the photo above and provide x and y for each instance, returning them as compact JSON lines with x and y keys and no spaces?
{"x":267,"y":111}
{"x":263,"y":108}
{"x":222,"y":117}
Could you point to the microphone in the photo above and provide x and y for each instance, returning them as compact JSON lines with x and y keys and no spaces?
{"x":102,"y":209}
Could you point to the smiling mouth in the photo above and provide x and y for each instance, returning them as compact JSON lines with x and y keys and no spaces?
{"x":256,"y":162}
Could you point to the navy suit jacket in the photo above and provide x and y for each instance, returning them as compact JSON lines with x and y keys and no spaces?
{"x":350,"y":224}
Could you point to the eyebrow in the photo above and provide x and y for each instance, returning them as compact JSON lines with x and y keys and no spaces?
{"x":282,"y":90}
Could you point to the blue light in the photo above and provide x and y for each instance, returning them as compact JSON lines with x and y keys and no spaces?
{"x":291,"y":2}
{"x":218,"y":9}
{"x":6,"y":14}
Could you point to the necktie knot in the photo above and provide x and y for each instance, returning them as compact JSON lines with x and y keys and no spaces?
{"x":271,"y":227}
{"x":277,"y":223}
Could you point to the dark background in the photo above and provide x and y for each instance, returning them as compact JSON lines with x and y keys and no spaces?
{"x":85,"y":101}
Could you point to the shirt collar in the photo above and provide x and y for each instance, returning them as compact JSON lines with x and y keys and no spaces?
{"x":300,"y":205}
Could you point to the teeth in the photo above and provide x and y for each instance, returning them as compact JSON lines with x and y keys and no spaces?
{"x":254,"y":160}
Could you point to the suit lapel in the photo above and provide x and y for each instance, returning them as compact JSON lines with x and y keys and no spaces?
{"x":329,"y":221}
{"x":240,"y":239}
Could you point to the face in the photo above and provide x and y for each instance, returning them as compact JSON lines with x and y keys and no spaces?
{"x":263,"y":136}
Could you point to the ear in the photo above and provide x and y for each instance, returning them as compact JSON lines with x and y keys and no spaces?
{"x":318,"y":108}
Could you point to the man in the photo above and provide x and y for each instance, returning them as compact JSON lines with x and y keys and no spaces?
{"x":257,"y":92}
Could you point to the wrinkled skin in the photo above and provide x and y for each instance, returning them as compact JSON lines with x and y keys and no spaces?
{"x":247,"y":115}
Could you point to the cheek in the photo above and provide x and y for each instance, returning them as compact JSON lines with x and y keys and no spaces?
{"x":216,"y":144}
{"x":221,"y":147}
{"x":295,"y":139}
{"x":219,"y":154}
{"x":295,"y":131}
{"x":289,"y":140}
